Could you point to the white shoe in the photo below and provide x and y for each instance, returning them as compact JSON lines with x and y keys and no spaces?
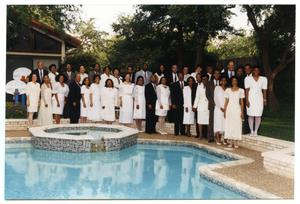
{"x":255,"y":134}
{"x":164,"y":133}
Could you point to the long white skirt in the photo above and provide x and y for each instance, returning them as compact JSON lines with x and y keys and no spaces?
{"x":139,"y":113}
{"x":95,"y":113}
{"x":109,"y":113}
{"x":58,"y":110}
{"x":219,"y":120}
{"x":203,"y":117}
{"x":233,"y":122}
{"x":126,"y":111}
{"x":188,"y":117}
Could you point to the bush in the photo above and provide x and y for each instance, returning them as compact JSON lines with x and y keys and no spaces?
{"x":15,"y":111}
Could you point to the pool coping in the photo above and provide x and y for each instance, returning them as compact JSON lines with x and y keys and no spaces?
{"x":206,"y":171}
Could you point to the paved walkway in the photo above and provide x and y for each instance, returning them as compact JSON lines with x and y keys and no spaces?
{"x":252,"y":174}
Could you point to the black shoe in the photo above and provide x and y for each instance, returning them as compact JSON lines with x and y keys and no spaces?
{"x":210,"y":141}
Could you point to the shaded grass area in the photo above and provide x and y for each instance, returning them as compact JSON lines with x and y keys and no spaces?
{"x":279,"y":124}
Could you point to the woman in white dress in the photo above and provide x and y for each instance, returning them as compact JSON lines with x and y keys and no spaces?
{"x":32,"y":98}
{"x":85,"y":100}
{"x":188,"y":114}
{"x":117,"y":79}
{"x":45,"y":113}
{"x":201,"y":104}
{"x":52,"y":74}
{"x":95,"y":113}
{"x":126,"y":101}
{"x":160,"y":73}
{"x":59,"y":99}
{"x":82,"y":73}
{"x":234,"y":114}
{"x":109,"y":100}
{"x":219,"y":120}
{"x":198,"y":70}
{"x":256,"y":98}
{"x":106,"y":75}
{"x":163,"y":104}
{"x":139,"y":112}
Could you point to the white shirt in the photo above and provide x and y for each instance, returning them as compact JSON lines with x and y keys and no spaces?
{"x":174,"y":77}
{"x":230,"y":73}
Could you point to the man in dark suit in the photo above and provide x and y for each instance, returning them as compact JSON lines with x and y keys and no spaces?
{"x":209,"y":72}
{"x":240,"y":76}
{"x":177,"y":104}
{"x":151,"y":97}
{"x":69,"y":74}
{"x":40,"y":72}
{"x":96,"y":71}
{"x":229,"y":72}
{"x":172,"y":76}
{"x":74,"y":99}
{"x":131,"y":72}
{"x":210,"y":90}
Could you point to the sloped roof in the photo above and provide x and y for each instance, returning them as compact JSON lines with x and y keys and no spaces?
{"x":70,"y":40}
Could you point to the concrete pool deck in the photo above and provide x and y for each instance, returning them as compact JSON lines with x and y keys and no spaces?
{"x":273,"y":183}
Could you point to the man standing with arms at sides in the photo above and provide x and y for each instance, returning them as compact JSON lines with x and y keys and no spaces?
{"x":131,"y":72}
{"x":151,"y":97}
{"x":96,"y":71}
{"x":74,"y":97}
{"x":177,"y":104}
{"x":210,"y":89}
{"x":144,"y":73}
{"x":229,"y":72}
{"x":40,"y":72}
{"x":209,"y":71}
{"x":172,"y":77}
{"x":248,"y":74}
{"x":69,"y":74}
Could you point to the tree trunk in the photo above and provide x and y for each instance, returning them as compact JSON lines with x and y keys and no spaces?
{"x":272,"y":99}
{"x":180,"y":47}
{"x":200,"y":50}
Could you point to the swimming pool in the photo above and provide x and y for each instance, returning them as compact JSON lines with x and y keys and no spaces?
{"x":142,"y":171}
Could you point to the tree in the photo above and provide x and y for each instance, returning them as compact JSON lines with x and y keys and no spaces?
{"x":94,"y":43}
{"x":169,"y":29}
{"x":60,"y":17}
{"x":234,"y":47}
{"x":274,"y":27}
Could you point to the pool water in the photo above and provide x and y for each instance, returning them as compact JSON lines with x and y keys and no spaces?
{"x":143,"y":171}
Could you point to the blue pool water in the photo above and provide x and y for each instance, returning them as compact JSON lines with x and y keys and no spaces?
{"x":142,"y":171}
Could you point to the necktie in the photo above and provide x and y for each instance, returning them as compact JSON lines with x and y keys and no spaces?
{"x":41,"y":75}
{"x":229,"y":74}
{"x":181,"y":85}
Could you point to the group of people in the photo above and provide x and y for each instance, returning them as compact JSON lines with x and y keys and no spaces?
{"x":217,"y":101}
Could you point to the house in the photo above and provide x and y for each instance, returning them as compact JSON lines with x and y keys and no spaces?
{"x":37,"y":42}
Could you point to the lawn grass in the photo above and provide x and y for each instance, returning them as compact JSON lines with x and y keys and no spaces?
{"x":279,"y":124}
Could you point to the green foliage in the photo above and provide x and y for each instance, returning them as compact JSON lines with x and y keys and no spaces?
{"x":60,"y":17}
{"x":93,"y":47}
{"x":86,"y":59}
{"x":235,"y":47}
{"x":15,"y":111}
{"x":167,"y":33}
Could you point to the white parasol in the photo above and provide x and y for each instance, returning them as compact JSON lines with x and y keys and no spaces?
{"x":21,"y":72}
{"x":11,"y":87}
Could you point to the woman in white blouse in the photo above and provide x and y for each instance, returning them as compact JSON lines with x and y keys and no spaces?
{"x":95,"y":113}
{"x":85,"y":100}
{"x":139,"y":112}
{"x":256,"y":98}
{"x":82,"y":73}
{"x":59,"y":99}
{"x":52,"y":74}
{"x":160,"y":73}
{"x":219,"y":120}
{"x":45,"y":111}
{"x":188,"y":114}
{"x":126,"y":101}
{"x":163,"y":104}
{"x":109,"y":100}
{"x":32,"y":98}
